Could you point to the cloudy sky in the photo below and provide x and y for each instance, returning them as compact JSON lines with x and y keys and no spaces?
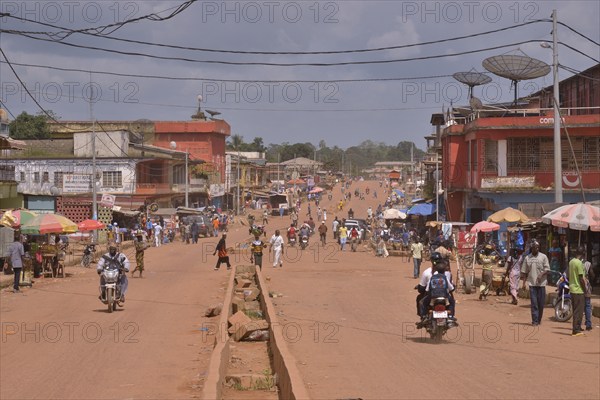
{"x":298,"y":103}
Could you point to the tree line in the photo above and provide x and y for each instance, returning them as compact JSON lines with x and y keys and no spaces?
{"x":351,"y":160}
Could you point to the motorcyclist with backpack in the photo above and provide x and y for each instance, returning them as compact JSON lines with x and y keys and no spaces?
{"x":291,"y":233}
{"x":424,"y":297}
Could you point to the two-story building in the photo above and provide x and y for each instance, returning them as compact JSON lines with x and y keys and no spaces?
{"x":494,"y":159}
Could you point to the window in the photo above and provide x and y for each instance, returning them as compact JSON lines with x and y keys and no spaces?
{"x":46,"y":177}
{"x":523,"y":155}
{"x":22,"y":176}
{"x":591,"y":154}
{"x":490,"y":149}
{"x":36,"y":177}
{"x":58,"y":179}
{"x":179,"y":174}
{"x":112,"y":179}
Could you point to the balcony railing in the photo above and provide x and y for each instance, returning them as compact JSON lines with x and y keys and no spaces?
{"x":519,"y":112}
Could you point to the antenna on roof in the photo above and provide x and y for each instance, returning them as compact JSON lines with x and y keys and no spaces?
{"x":199,"y":114}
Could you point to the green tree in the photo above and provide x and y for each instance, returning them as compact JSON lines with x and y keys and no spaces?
{"x":27,"y":126}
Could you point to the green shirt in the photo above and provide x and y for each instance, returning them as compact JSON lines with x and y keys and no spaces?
{"x":575,"y":269}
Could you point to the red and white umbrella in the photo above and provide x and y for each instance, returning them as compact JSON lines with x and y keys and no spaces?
{"x":579,"y":216}
{"x":485,"y":226}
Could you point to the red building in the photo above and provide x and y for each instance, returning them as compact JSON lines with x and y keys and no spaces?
{"x":203,"y":139}
{"x":493,"y":160}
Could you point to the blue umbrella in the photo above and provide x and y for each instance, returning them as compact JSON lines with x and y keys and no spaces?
{"x":422,"y":209}
{"x":398,"y":193}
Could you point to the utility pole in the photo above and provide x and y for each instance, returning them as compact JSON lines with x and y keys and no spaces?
{"x":93,"y":180}
{"x":187,"y":178}
{"x":238,"y":183}
{"x":412,"y":165}
{"x":558,"y":192}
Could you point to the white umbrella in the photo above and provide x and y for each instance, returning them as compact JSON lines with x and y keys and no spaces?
{"x":579,"y":216}
{"x":392,"y":213}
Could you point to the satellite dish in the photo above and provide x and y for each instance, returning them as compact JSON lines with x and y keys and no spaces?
{"x":472,"y":79}
{"x":516,"y":68}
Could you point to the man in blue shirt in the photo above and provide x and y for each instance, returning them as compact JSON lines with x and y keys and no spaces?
{"x":16,"y":253}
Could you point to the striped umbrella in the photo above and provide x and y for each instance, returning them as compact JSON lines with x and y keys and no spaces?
{"x":19,"y":217}
{"x":579,"y":216}
{"x":49,"y":223}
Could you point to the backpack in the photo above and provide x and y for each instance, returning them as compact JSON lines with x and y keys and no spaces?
{"x":438,"y":285}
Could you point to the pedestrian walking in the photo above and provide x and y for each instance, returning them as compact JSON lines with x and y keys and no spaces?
{"x":222,"y":251}
{"x":265,"y":219}
{"x":343,"y":235}
{"x":319,"y":213}
{"x":257,"y":251}
{"x":577,"y":288}
{"x":589,"y":278}
{"x":276,"y":243}
{"x":534,"y":271}
{"x":281,"y":211}
{"x":215,"y":225}
{"x":325,"y":214}
{"x":513,"y":270}
{"x":195,"y":231}
{"x":16,"y":252}
{"x":294,"y":217}
{"x":416,"y":249}
{"x":140,"y":247}
{"x":187,"y":232}
{"x":334,"y":227}
{"x":323,"y":232}
{"x":157,"y":235}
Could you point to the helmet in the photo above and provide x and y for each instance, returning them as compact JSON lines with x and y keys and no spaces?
{"x":436,"y":258}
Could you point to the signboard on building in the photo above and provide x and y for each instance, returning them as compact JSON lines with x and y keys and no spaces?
{"x":217,"y":190}
{"x":108,"y":200}
{"x":501,"y":182}
{"x":77,"y":183}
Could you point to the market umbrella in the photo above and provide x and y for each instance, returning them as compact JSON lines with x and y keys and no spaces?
{"x":21,"y":217}
{"x":579,"y":216}
{"x":392,"y":213}
{"x":398,"y":193}
{"x":8,"y":219}
{"x":422,"y":209}
{"x":49,"y":223}
{"x":90,"y":225}
{"x":508,"y":214}
{"x":316,"y":189}
{"x":485,"y":226}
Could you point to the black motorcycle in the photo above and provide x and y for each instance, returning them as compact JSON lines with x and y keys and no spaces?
{"x":88,"y":252}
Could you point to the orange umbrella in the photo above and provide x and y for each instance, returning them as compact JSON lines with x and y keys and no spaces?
{"x":508,"y":214}
{"x":90,"y":225}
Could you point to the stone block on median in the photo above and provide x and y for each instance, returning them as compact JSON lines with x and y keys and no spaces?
{"x":251,"y":294}
{"x":246,"y":329}
{"x":237,"y":304}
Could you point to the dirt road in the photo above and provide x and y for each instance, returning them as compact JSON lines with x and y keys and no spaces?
{"x":349,"y":320}
{"x":58,"y":341}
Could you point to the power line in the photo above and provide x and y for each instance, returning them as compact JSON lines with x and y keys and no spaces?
{"x":578,"y":73}
{"x":177,"y":78}
{"x":246,"y":63}
{"x":579,"y":33}
{"x":211,"y":50}
{"x":579,"y":51}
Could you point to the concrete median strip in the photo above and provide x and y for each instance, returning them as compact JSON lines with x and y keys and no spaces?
{"x":249,"y":317}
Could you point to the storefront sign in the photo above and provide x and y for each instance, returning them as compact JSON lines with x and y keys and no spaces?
{"x":77,"y":183}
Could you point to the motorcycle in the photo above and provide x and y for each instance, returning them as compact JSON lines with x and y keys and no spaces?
{"x":437,"y":322}
{"x":111,"y":290}
{"x":563,"y":307}
{"x":304,"y":242}
{"x":292,"y":240}
{"x":87,"y":255}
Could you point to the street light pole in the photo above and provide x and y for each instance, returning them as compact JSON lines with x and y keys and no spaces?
{"x":187,"y":178}
{"x":558,"y":192}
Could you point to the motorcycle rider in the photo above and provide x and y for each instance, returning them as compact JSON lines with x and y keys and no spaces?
{"x":291,"y":232}
{"x":122,"y":262}
{"x":436,"y":259}
{"x":441,"y":267}
{"x":304,"y":230}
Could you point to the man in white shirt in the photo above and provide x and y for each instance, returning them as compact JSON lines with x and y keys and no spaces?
{"x":277,"y":246}
{"x":157,"y":234}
